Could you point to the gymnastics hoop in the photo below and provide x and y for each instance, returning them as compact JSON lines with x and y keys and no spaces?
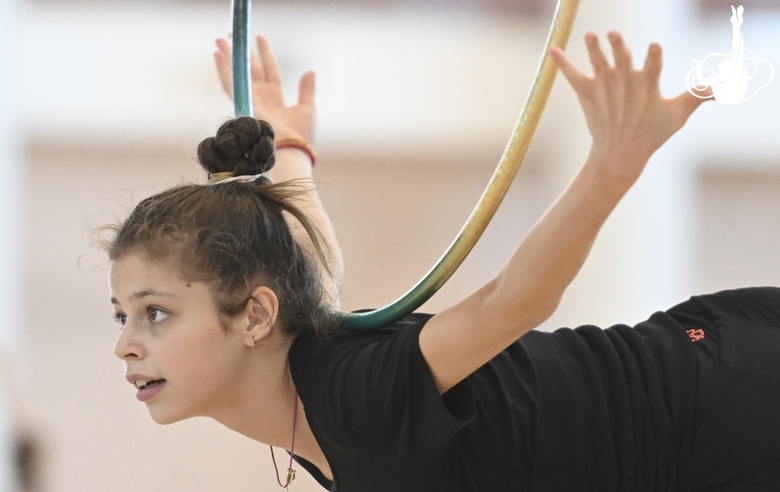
{"x":491,"y":198}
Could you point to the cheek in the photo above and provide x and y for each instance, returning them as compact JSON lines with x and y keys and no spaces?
{"x":201,"y":370}
{"x":207,"y":360}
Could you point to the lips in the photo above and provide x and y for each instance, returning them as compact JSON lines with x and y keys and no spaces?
{"x":141,"y":383}
{"x":147,"y":386}
{"x":150,"y":389}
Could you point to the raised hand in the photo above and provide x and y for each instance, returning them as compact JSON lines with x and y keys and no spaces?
{"x":626,"y":114}
{"x":289,"y":121}
{"x":267,"y":98}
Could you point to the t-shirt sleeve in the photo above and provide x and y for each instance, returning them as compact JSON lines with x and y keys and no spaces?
{"x":376,"y":391}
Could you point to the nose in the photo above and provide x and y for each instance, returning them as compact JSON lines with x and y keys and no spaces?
{"x":128,"y":346}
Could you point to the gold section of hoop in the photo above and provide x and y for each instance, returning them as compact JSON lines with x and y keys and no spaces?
{"x":519,"y":141}
{"x":496,"y":189}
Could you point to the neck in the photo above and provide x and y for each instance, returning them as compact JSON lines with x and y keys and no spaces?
{"x":260,"y":406}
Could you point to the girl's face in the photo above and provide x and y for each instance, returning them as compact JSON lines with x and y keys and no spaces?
{"x":171,"y":336}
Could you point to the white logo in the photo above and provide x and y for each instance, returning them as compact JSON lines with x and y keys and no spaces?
{"x":730,"y":83}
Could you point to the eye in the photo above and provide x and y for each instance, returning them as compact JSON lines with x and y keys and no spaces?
{"x":156,"y":314}
{"x":121,"y":319}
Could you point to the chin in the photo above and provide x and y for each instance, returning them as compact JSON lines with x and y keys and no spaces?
{"x":165,"y":416}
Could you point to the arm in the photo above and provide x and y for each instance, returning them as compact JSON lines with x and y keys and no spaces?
{"x":288,"y":121}
{"x":628,"y":120}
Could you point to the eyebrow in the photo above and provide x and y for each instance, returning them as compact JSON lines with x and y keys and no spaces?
{"x":144,"y":293}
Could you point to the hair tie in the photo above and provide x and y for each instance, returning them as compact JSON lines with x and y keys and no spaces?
{"x":226,"y":177}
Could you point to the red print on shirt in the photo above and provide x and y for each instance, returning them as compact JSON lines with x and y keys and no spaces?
{"x":695,"y":335}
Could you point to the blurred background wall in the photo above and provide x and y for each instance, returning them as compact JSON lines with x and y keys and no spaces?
{"x":103,"y":103}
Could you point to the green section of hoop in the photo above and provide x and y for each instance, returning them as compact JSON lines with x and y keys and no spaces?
{"x":496,"y":188}
{"x":242,"y":76}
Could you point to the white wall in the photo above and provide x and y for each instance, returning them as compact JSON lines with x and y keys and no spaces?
{"x":11,"y":239}
{"x":12,"y":184}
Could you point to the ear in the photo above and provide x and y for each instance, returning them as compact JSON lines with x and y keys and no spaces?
{"x":262,"y":309}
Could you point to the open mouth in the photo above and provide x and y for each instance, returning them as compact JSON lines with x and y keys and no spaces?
{"x":148,"y":389}
{"x":148,"y":384}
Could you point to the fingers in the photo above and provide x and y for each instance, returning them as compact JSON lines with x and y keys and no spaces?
{"x":264,"y":69}
{"x":306,"y":89}
{"x":601,"y":66}
{"x":258,"y":74}
{"x":653,"y":64}
{"x":654,"y":60}
{"x":270,"y":66}
{"x":597,"y":58}
{"x":622,"y":56}
{"x":224,"y":66}
{"x":573,"y":74}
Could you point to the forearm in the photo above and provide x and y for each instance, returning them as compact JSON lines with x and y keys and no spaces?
{"x":294,"y":164}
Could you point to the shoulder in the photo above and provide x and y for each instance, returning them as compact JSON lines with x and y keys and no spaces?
{"x":309,"y":344}
{"x":313,"y":358}
{"x":374,"y":388}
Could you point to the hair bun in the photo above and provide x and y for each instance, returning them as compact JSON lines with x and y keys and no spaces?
{"x":243,"y":146}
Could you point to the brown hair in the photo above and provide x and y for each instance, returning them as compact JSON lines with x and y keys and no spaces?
{"x":233,"y":235}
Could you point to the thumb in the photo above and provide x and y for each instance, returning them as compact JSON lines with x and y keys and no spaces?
{"x":306,"y":89}
{"x":686,"y":103}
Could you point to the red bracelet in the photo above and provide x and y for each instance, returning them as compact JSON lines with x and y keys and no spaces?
{"x":297,"y":143}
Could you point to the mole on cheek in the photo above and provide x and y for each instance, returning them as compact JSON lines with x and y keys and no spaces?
{"x":189,"y":284}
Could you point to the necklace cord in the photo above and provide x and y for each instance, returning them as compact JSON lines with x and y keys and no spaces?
{"x":290,"y":470}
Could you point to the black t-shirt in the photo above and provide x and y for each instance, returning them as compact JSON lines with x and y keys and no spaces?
{"x":581,"y":409}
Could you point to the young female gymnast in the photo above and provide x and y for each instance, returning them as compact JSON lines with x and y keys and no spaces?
{"x":222,"y":313}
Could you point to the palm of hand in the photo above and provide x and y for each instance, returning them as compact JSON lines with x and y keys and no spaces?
{"x":268,"y":104}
